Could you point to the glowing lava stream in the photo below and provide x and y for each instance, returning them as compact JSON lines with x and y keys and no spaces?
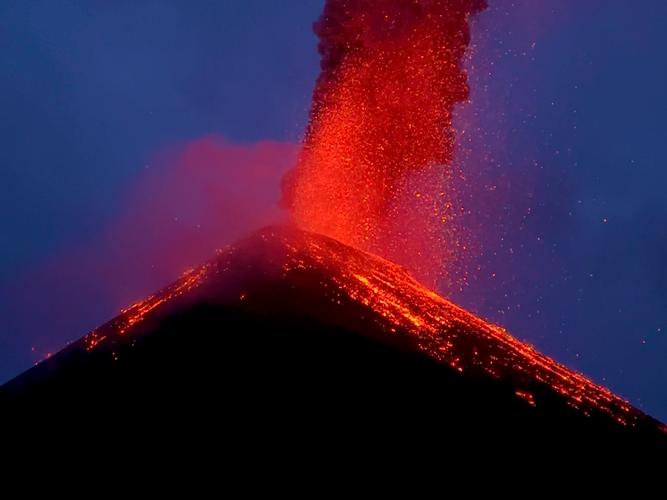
{"x":442,"y":330}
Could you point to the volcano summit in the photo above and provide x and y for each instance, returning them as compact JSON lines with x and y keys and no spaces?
{"x":288,"y":324}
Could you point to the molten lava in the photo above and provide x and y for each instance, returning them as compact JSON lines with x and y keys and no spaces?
{"x":381,"y":118}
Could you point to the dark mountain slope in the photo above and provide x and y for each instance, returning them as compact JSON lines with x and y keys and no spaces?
{"x":292,"y":336}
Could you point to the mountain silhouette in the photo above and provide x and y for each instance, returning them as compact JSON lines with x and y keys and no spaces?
{"x":294,"y":336}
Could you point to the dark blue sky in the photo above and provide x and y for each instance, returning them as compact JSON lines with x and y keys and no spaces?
{"x":564,"y":153}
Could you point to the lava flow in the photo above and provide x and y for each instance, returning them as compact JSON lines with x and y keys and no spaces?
{"x":376,"y":167}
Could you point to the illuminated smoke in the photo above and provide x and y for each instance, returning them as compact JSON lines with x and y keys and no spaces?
{"x":375,"y":171}
{"x":195,"y":197}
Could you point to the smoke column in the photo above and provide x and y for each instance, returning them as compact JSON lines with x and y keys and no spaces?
{"x":376,"y":163}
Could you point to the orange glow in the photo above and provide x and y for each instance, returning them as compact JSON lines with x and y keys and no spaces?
{"x":526,"y":396}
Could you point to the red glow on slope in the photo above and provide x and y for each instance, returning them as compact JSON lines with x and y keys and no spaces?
{"x":382,"y":111}
{"x":134,"y":314}
{"x":402,"y":306}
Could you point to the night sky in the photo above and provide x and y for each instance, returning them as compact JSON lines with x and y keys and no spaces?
{"x":136,"y":137}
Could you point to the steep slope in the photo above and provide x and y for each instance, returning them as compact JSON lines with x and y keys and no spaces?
{"x":289,"y":323}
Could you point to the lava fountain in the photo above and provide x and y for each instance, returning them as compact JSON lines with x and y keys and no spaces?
{"x":376,"y":168}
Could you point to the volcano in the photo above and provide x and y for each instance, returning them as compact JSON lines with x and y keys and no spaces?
{"x":296,"y":330}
